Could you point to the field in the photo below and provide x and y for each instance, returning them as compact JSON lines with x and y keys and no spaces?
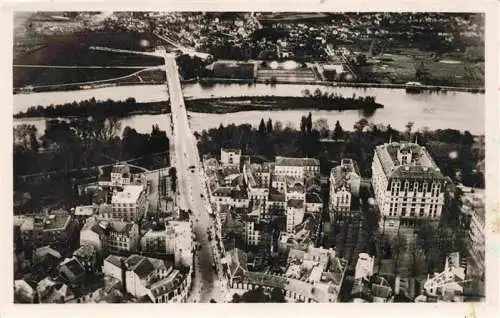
{"x":401,"y":68}
{"x":233,"y":70}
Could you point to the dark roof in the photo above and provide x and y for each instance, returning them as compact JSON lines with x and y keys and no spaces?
{"x":298,"y":162}
{"x":114,"y":259}
{"x":313,"y":198}
{"x":144,"y":268}
{"x":74,"y":267}
{"x":238,"y":263}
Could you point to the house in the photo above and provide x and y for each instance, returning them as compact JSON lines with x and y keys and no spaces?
{"x":113,"y":266}
{"x":24,"y":292}
{"x":46,"y":258}
{"x":87,"y":255}
{"x":72,"y":271}
{"x":140,"y":270}
{"x":120,"y":175}
{"x":111,"y":235}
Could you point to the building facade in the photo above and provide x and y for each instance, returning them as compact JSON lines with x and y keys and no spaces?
{"x":296,"y":167}
{"x":408,"y":185}
{"x":230,"y":156}
{"x":128,"y":203}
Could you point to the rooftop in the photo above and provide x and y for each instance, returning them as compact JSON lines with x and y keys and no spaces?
{"x":297,"y":162}
{"x":51,"y":222}
{"x":84,"y":210}
{"x":121,"y":169}
{"x":143,"y":266}
{"x":130,"y":194}
{"x":47,"y":250}
{"x":237,"y":151}
{"x":99,"y":226}
{"x":114,"y":259}
{"x":422,"y":166}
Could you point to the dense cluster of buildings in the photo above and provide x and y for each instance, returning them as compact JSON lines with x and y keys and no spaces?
{"x":409,"y":190}
{"x":257,"y":193}
{"x":115,"y":250}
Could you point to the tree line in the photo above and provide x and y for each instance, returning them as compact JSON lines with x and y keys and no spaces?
{"x":97,"y":108}
{"x":455,"y":153}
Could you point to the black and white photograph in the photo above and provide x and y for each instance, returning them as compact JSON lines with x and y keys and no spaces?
{"x":248,"y":157}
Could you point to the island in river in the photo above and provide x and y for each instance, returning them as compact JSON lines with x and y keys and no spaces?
{"x":206,"y":105}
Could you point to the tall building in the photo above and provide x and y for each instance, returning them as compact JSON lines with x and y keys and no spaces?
{"x":344,"y":183}
{"x":230,"y":156}
{"x":408,"y":185}
{"x":296,"y":167}
{"x":129,"y":202}
{"x":294,"y":214}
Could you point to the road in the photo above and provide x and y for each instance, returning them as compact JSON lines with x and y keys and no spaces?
{"x":193,"y":194}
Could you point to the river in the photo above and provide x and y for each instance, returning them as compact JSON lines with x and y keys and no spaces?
{"x":457,"y":110}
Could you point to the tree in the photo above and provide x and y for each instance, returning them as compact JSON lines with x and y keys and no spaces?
{"x":309,"y":123}
{"x":321,"y":125}
{"x":236,"y":298}
{"x":426,"y":238}
{"x":338,"y":132}
{"x":278,"y":126}
{"x":269,"y":126}
{"x":262,"y":128}
{"x":277,"y":296}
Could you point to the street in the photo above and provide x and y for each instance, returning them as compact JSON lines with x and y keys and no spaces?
{"x":206,"y":283}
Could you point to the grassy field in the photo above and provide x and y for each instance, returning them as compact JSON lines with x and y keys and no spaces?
{"x":52,"y":76}
{"x":288,"y":17}
{"x":400,"y":67}
{"x":233,"y":70}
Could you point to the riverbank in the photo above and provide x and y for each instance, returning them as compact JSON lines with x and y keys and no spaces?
{"x":130,"y":107}
{"x":274,"y":103}
{"x":108,"y":108}
{"x":214,"y":81}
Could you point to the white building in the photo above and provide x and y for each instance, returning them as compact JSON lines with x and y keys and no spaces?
{"x":253,"y":230}
{"x":141,"y":270}
{"x":295,"y":210}
{"x":473,"y":207}
{"x":128,"y":203}
{"x":295,"y":189}
{"x":296,"y":167}
{"x":230,"y":156}
{"x":114,"y":236}
{"x":364,"y":266}
{"x":120,"y":175}
{"x":344,"y":183}
{"x":408,"y":185}
{"x":180,"y":242}
{"x":112,"y":266}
